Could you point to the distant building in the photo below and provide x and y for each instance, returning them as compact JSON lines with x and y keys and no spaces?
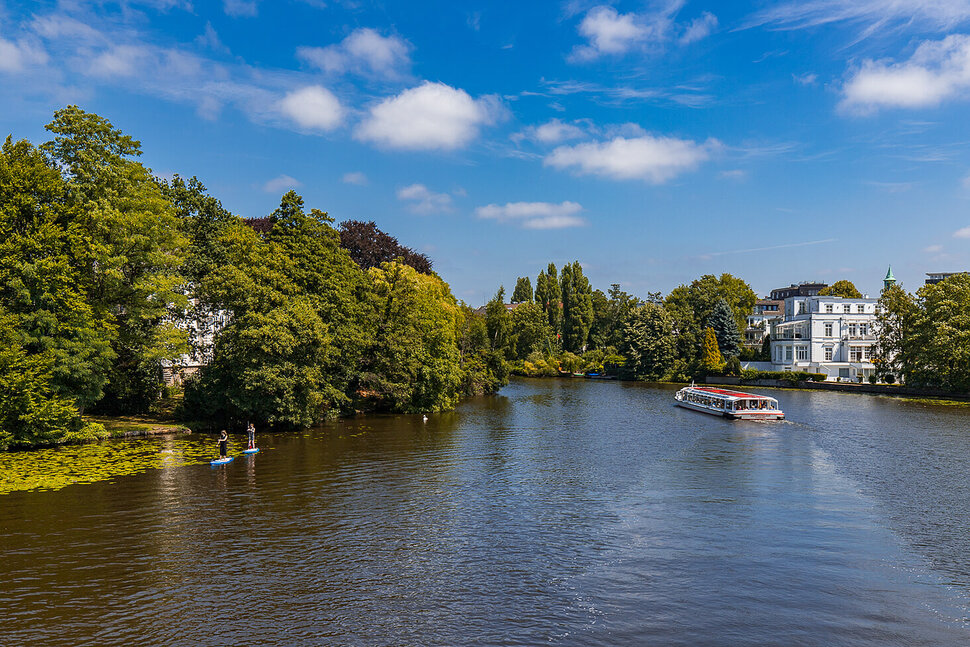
{"x":890,"y":280}
{"x":807,"y":289}
{"x":826,"y":334}
{"x":202,"y":325}
{"x":932,"y":278}
{"x":764,"y":312}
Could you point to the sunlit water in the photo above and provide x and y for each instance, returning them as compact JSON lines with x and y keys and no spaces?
{"x":560,"y":512}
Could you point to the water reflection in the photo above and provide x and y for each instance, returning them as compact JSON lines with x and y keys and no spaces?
{"x":562,"y":512}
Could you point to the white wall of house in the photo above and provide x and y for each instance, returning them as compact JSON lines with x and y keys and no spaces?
{"x":828,"y":335}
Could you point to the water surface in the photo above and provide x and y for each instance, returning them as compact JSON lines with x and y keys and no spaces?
{"x":560,"y":512}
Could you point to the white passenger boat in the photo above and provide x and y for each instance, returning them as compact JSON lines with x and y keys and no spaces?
{"x":736,"y":405}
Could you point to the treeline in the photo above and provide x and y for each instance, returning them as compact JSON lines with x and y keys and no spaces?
{"x":566,"y":326}
{"x":924,"y":337}
{"x":106,"y":271}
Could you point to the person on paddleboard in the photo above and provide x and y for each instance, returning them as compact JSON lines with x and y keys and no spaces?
{"x":223,"y":444}
{"x":251,"y":430}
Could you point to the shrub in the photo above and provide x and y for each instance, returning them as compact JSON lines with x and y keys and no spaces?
{"x":872,"y":379}
{"x":890,"y":378}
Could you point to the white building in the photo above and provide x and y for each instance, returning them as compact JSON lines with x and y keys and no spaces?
{"x":764,"y":313}
{"x":201,"y":325}
{"x":828,"y":335}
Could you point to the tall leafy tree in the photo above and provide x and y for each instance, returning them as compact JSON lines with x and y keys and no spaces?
{"x":549,"y":297}
{"x":610,"y":316}
{"x":498,"y":323}
{"x":529,"y":330}
{"x":133,"y":253}
{"x":371,"y":247}
{"x":523,"y":290}
{"x":577,"y":309}
{"x":896,"y":318}
{"x":691,"y":306}
{"x":725,"y":329}
{"x":711,"y":358}
{"x":484,"y":369}
{"x":843,"y":288}
{"x":648,"y":342}
{"x":937,"y":347}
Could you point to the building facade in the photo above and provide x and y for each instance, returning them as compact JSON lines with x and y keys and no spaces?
{"x":807,"y":289}
{"x":764,"y":313}
{"x":829,"y":335}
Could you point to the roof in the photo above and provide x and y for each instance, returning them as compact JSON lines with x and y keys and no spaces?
{"x":730,"y":394}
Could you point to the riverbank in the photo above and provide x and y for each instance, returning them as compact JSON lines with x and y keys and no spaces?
{"x":895,"y":390}
{"x":132,"y":426}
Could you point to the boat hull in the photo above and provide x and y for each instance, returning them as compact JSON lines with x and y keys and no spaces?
{"x":733,"y":415}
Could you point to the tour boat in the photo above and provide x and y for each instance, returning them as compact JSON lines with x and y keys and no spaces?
{"x":735,"y":405}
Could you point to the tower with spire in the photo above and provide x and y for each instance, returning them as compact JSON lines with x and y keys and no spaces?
{"x":890,"y":280}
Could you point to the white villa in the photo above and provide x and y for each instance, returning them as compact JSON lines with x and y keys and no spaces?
{"x":830,"y":335}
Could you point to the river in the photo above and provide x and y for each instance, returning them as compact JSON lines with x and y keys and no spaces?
{"x":562,"y":512}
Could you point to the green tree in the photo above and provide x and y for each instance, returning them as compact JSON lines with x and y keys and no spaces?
{"x":895,"y":327}
{"x":498,"y":323}
{"x":711,"y":358}
{"x":691,"y":306}
{"x":725,"y":329}
{"x":523,"y":290}
{"x":648,"y":342}
{"x":845,"y":289}
{"x":549,"y":297}
{"x":133,"y":252}
{"x":484,"y":370}
{"x":936,"y":349}
{"x":529,"y":330}
{"x":610,"y":316}
{"x":577,"y":308}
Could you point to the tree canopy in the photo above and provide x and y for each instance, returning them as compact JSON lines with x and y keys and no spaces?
{"x":843,"y":288}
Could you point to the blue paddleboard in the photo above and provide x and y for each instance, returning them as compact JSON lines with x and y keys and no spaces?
{"x":251,"y":451}
{"x":222,"y":461}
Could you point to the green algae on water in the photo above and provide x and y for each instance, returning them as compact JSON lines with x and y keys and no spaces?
{"x":58,"y":467}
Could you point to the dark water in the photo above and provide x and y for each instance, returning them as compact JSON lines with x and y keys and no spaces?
{"x":561,"y":512}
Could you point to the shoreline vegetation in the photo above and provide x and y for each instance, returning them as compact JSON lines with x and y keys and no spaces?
{"x":108,"y":272}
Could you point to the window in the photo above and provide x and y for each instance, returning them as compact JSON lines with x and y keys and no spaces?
{"x":787,"y":353}
{"x":828,"y":329}
{"x":846,"y":308}
{"x":852,"y":329}
{"x":863,"y":329}
{"x":860,"y":308}
{"x":868,"y":352}
{"x":828,"y":354}
{"x":855,"y":353}
{"x":828,"y":308}
{"x":801,"y":353}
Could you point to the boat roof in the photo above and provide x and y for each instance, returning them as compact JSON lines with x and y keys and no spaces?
{"x":729,"y":394}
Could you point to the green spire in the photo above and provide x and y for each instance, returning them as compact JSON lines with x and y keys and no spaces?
{"x":890,"y":279}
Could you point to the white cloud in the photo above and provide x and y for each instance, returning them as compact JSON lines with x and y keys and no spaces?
{"x":933,"y":249}
{"x":551,"y":132}
{"x":281,"y":182}
{"x":654,"y":159}
{"x":875,"y":14}
{"x":535,"y":215}
{"x":699,"y":29}
{"x":809,"y":78}
{"x":962,"y":233}
{"x":363,"y":51}
{"x":313,"y":107}
{"x":240,"y":7}
{"x":432,"y":116}
{"x":609,"y":32}
{"x":355,"y":177}
{"x":424,"y":202}
{"x":17,"y":57}
{"x":120,"y":61}
{"x":937,"y":71}
{"x":733,"y":174}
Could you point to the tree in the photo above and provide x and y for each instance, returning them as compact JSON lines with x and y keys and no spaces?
{"x":499,"y":325}
{"x":725,"y":329}
{"x":577,"y":308}
{"x":371,"y":247}
{"x":549,"y":297}
{"x":529,"y":330}
{"x":523,"y":290}
{"x":133,"y":252}
{"x":845,"y":289}
{"x":936,"y":346}
{"x":484,"y":370}
{"x":711,"y":358}
{"x":691,"y":306}
{"x":895,"y":325}
{"x":610,"y":316}
{"x":648,"y":342}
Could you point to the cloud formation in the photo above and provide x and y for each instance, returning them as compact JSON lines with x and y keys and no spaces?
{"x":937,"y":71}
{"x":551,"y":132}
{"x":432,"y":116}
{"x":18,"y":56}
{"x":240,"y":8}
{"x":874,"y":14}
{"x":313,"y":107}
{"x":280,"y":183}
{"x":355,"y":177}
{"x":610,"y":33}
{"x":962,"y":233}
{"x":654,"y":159}
{"x":424,"y":202}
{"x":534,"y":215}
{"x":364,"y":51}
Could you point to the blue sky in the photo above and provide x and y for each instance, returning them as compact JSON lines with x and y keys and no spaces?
{"x":653,"y":142}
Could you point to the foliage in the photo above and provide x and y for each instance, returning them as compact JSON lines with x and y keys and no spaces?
{"x":725,"y":329}
{"x":610,"y":316}
{"x":732,"y":366}
{"x":577,"y":308}
{"x":371,"y":247}
{"x":484,"y":369}
{"x":691,"y":307}
{"x":790,"y":376}
{"x":648,"y":342}
{"x":711,"y":358}
{"x":523,"y":290}
{"x":549,"y":297}
{"x":936,"y":348}
{"x":529,"y":330}
{"x":843,"y":288}
{"x":498,"y":323}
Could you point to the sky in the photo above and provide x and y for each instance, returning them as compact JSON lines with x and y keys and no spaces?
{"x":654,"y":142}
